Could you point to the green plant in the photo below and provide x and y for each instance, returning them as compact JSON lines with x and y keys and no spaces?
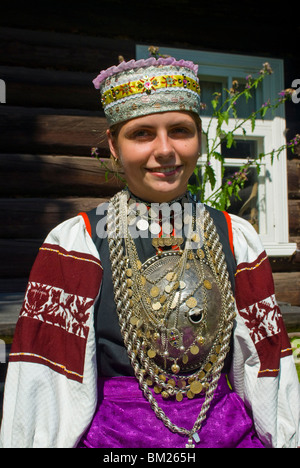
{"x":222,"y":196}
{"x":106,"y":165}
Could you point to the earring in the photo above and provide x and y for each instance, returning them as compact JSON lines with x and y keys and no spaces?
{"x":115,"y":159}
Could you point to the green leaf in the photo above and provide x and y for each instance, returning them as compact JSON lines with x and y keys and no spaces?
{"x":253,"y":122}
{"x":192,"y":188}
{"x":272,"y":156}
{"x":211,"y":176}
{"x":218,"y":156}
{"x":263,"y":111}
{"x":261,"y":156}
{"x":226,"y":116}
{"x":220,"y":119}
{"x":230,"y":139}
{"x":230,"y":190}
{"x":222,"y":202}
{"x":214,"y":103}
{"x":248,"y":95}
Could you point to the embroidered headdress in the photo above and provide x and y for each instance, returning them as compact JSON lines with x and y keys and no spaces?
{"x":136,"y":88}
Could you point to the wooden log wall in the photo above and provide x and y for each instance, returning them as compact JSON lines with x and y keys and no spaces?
{"x":286,"y":271}
{"x":51,"y":120}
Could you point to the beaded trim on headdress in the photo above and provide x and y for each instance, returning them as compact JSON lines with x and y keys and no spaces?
{"x":136,"y":88}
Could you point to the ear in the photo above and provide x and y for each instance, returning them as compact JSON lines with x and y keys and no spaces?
{"x":112,"y":144}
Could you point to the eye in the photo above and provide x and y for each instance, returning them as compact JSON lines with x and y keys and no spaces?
{"x":140,"y":134}
{"x":181,"y":132}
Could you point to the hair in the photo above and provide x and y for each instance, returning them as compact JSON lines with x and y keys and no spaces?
{"x":115,"y":129}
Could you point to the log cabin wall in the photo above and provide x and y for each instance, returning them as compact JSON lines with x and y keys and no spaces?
{"x":52,"y":118}
{"x":286,"y":271}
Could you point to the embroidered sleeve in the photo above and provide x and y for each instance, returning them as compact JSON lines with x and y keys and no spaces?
{"x":263,"y":371}
{"x":50,"y":391}
{"x":255,"y":299}
{"x":56,"y":310}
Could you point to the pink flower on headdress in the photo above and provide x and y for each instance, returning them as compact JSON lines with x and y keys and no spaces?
{"x":147,"y":84}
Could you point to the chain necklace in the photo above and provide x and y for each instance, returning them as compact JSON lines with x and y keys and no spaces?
{"x":149,"y":318}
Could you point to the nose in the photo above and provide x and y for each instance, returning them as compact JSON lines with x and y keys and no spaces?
{"x":164,"y":148}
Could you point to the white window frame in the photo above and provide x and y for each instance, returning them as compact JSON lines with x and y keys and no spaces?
{"x":269,"y":134}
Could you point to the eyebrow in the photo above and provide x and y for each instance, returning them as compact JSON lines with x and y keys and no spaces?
{"x":137,"y":126}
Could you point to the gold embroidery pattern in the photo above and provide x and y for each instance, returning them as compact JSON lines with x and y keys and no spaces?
{"x":252,"y":268}
{"x":147,"y":85}
{"x":47,"y":360}
{"x":268,"y":370}
{"x":72,"y":256}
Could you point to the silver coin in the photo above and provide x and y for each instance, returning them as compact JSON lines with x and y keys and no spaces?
{"x":142,"y":225}
{"x":142,"y":208}
{"x":153,"y":212}
{"x":178,"y":222}
{"x":187,"y":219}
{"x":154,"y":228}
{"x":167,"y":227}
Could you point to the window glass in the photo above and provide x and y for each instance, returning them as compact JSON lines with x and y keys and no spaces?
{"x":249,"y":204}
{"x":208,"y":88}
{"x":241,"y":149}
{"x":244,"y":107}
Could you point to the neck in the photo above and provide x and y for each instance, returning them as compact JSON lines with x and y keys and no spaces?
{"x":148,"y":203}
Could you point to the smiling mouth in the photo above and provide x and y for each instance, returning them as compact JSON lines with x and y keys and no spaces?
{"x":170,"y":170}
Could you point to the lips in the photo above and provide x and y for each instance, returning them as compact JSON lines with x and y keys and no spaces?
{"x":169,"y":170}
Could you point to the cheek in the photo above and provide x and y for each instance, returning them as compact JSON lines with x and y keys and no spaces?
{"x":190,"y":154}
{"x":189,"y":148}
{"x":133,"y":157}
{"x":131,"y":167}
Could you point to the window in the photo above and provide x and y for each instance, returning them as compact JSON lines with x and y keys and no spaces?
{"x":250,"y":206}
{"x":264,"y":197}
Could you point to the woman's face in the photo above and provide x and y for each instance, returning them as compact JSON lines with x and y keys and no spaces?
{"x":158,"y":154}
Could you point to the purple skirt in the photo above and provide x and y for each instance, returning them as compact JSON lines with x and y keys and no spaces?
{"x":124,"y":419}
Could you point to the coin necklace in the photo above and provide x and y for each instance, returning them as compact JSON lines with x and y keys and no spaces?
{"x":145,"y":216}
{"x":136,"y":335}
{"x":158,"y":304}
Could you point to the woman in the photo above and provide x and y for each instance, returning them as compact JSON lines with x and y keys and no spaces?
{"x":130,"y":335}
